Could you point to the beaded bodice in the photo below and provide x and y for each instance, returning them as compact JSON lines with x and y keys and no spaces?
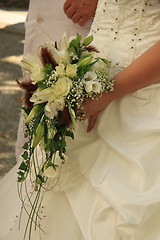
{"x":124,"y":29}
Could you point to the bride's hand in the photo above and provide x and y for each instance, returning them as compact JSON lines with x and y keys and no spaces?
{"x":92,"y":108}
{"x":80,"y":11}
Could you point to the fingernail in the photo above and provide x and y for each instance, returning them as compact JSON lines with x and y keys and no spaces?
{"x":89,"y":130}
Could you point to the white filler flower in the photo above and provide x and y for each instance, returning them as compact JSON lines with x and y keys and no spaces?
{"x":90,"y":76}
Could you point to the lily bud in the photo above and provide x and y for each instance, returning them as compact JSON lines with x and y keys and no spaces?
{"x":31,"y":114}
{"x":37,"y":137}
{"x":84,"y":61}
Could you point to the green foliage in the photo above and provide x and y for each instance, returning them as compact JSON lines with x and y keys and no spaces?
{"x":72,"y":113}
{"x":47,"y":73}
{"x":69,"y":133}
{"x":83,"y":69}
{"x":26,"y":110}
{"x":23,"y":166}
{"x":25,"y":155}
{"x":48,"y":70}
{"x":39,"y":179}
{"x":25,"y":146}
{"x":75,"y":45}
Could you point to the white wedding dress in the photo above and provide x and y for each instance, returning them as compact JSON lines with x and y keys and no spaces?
{"x":110,"y":188}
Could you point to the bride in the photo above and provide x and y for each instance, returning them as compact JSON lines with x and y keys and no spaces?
{"x":114,"y":190}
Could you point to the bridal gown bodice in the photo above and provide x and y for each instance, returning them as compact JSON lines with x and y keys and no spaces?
{"x":110,"y":186}
{"x":124,"y":29}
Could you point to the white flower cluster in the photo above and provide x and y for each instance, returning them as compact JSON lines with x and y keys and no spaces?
{"x":64,"y":82}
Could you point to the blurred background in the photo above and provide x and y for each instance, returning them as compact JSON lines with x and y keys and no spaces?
{"x":12,"y":17}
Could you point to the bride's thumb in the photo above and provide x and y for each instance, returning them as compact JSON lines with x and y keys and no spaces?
{"x":91,"y":122}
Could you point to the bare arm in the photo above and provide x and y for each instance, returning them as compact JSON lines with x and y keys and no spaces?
{"x":80,"y":11}
{"x":142,"y":72}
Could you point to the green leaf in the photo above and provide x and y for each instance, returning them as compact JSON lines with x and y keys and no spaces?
{"x":83,"y":69}
{"x":21,"y":173}
{"x":39,"y":179}
{"x":25,"y":155}
{"x":26,"y":110}
{"x":42,"y":85}
{"x":63,"y":143}
{"x":76,"y":42}
{"x":23,"y":167}
{"x":76,"y":45}
{"x":79,"y":37}
{"x":25,"y":146}
{"x":45,"y":133}
{"x":61,"y":155}
{"x":87,"y":41}
{"x":72,"y":49}
{"x":26,"y":133}
{"x":69,"y":134}
{"x":21,"y":179}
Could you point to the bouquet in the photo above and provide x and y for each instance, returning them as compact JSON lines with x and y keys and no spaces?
{"x":62,"y":76}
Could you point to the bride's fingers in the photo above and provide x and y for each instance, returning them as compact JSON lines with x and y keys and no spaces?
{"x":91,"y":122}
{"x":82,"y":21}
{"x":70,"y":11}
{"x":76,"y":17}
{"x":66,"y":5}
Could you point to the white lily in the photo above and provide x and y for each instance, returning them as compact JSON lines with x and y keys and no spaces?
{"x":42,"y":96}
{"x":60,"y":104}
{"x":61,"y":54}
{"x":63,"y":43}
{"x":52,"y":108}
{"x":29,"y":62}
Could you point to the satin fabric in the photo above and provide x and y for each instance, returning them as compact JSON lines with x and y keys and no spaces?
{"x":116,"y":193}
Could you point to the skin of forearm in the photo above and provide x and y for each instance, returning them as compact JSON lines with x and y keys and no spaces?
{"x":144,"y":71}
